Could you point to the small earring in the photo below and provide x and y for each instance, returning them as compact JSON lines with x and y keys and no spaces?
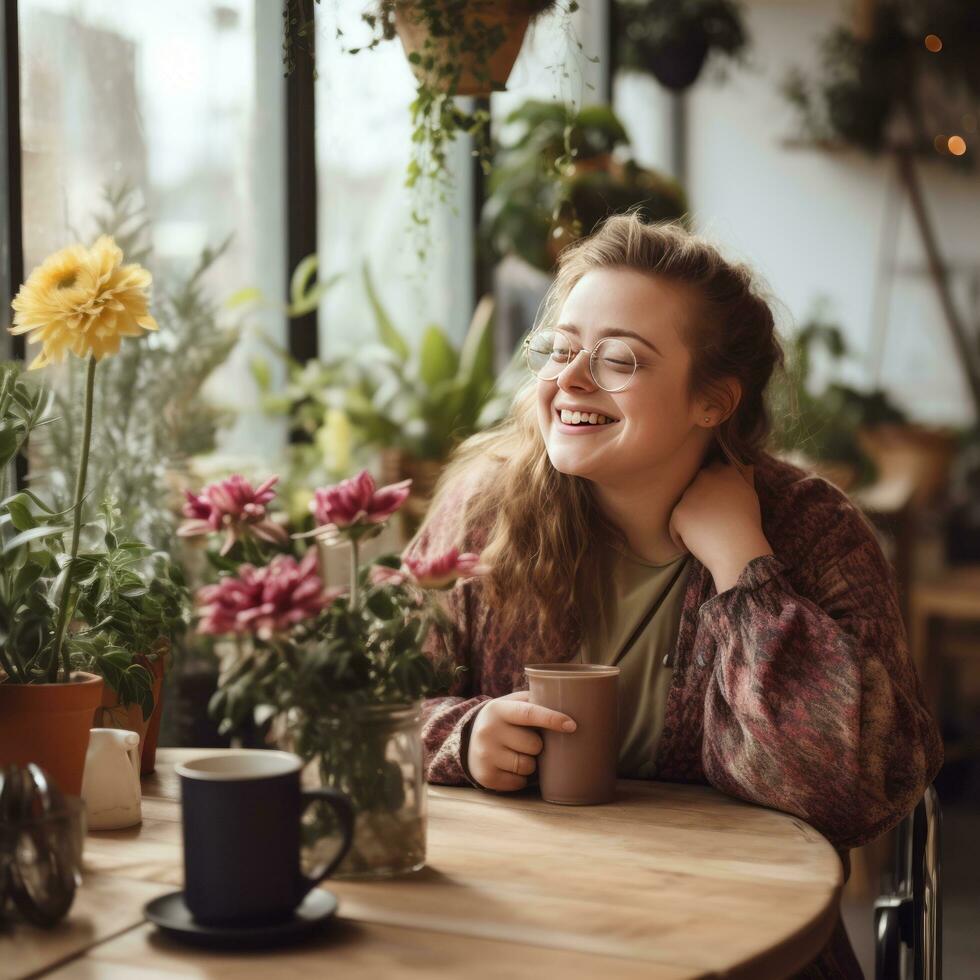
{"x":707,"y":419}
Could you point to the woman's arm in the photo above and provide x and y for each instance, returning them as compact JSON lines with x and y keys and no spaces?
{"x":813,"y":706}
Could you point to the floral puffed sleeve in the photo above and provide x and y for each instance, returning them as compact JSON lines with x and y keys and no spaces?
{"x":813,"y":705}
{"x":445,"y":728}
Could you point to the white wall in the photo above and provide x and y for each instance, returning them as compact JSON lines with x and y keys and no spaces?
{"x":812,"y":223}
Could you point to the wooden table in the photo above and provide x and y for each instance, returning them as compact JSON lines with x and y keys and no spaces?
{"x":669,"y":881}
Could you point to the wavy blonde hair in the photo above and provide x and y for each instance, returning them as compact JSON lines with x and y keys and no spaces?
{"x":541,"y":525}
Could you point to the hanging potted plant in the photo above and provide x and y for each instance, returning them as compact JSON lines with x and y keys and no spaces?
{"x":672,"y":39}
{"x":455,"y":48}
{"x":81,"y":301}
{"x":530,"y":214}
{"x":461,"y":47}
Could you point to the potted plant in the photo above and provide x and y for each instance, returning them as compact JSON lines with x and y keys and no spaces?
{"x":135,"y":607}
{"x":340,"y":672}
{"x":898,"y":77}
{"x":822,"y":428}
{"x":81,"y":301}
{"x":412,"y":405}
{"x":532,"y":214}
{"x":672,"y":39}
{"x":462,"y":47}
{"x":417,"y":405}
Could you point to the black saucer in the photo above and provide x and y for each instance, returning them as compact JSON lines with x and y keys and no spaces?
{"x":175,"y":921}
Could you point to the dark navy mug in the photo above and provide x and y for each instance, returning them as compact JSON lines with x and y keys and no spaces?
{"x":241,"y":815}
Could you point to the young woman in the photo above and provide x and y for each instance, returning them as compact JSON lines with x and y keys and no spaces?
{"x":630,"y":485}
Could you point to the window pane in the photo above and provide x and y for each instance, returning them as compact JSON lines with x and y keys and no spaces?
{"x":184,"y":101}
{"x":363,"y":147}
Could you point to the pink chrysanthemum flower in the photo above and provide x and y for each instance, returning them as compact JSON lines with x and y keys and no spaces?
{"x":443,"y":570}
{"x":265,"y":601}
{"x":232,"y":506}
{"x":357,"y":501}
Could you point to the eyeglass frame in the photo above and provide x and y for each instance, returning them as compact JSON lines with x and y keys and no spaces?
{"x":574,"y":357}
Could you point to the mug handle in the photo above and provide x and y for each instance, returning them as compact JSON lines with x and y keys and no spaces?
{"x":345,"y":814}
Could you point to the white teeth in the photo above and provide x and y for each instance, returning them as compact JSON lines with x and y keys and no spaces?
{"x":583,"y":418}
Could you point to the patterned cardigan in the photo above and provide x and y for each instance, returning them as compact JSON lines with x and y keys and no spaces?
{"x":793,"y":689}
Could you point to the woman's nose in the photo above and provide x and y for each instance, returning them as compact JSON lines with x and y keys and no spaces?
{"x":577,"y":374}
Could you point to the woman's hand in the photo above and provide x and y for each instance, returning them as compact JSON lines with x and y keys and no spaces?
{"x":503,"y":748}
{"x":719,"y":521}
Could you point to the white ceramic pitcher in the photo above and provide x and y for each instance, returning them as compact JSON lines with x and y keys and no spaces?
{"x":111,"y":784}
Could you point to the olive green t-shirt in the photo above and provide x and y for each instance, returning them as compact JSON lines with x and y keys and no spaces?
{"x":644,"y":680}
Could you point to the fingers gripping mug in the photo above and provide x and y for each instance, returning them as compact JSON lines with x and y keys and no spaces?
{"x":578,"y":768}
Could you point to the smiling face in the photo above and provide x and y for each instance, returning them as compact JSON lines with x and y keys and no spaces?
{"x":654,"y":423}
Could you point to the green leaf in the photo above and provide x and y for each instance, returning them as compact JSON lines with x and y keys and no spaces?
{"x":20,"y":514}
{"x":305,"y":295}
{"x":438,"y":360}
{"x":44,"y":531}
{"x":222,"y":563}
{"x":312,"y":299}
{"x":476,"y":354}
{"x":37,"y":501}
{"x":26,"y":577}
{"x":304,"y":272}
{"x":379,"y":602}
{"x":261,"y":372}
{"x":9,"y":441}
{"x":389,"y":336}
{"x":244,"y":297}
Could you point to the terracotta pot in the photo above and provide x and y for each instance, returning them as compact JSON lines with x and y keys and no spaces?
{"x":49,"y":724}
{"x":111,"y":714}
{"x":424,"y":474}
{"x":148,"y":749}
{"x":476,"y":77}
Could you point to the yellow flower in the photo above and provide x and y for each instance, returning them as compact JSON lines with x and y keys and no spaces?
{"x":83,"y":300}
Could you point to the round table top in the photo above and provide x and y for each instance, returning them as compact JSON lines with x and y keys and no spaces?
{"x":668,"y":881}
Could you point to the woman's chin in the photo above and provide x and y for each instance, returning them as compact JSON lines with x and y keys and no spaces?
{"x":571,"y":463}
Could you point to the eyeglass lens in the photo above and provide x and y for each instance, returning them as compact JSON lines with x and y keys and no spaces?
{"x":613,"y":362}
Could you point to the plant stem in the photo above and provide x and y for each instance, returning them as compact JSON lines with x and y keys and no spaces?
{"x":59,"y":653}
{"x":354,"y":555}
{"x":4,"y":402}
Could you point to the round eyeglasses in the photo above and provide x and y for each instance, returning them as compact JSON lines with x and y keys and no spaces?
{"x":612,"y":362}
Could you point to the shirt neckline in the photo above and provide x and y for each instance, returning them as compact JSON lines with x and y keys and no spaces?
{"x":637,"y":560}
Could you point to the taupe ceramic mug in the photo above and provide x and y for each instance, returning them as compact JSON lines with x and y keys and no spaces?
{"x":578,"y":768}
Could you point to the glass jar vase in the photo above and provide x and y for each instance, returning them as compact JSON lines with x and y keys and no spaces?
{"x":373,"y":754}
